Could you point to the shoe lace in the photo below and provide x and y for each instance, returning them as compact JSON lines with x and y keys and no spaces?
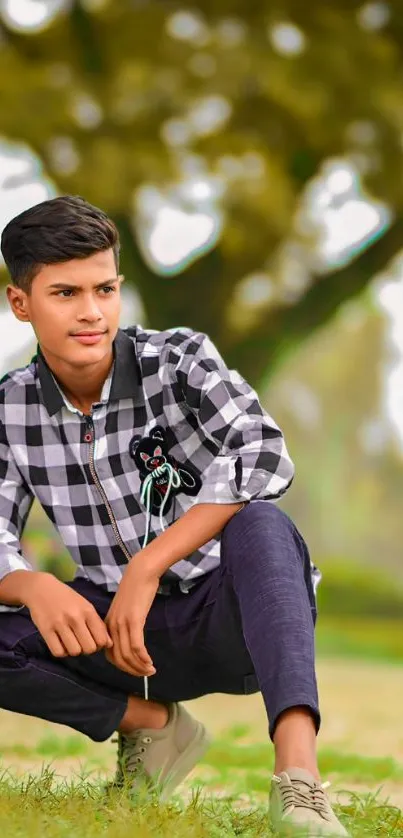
{"x":146,"y":496}
{"x":131,"y":752}
{"x":301,"y":794}
{"x":174,"y":482}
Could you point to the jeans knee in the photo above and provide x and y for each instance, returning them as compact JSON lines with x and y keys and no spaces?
{"x":262,"y":542}
{"x":259,"y":515}
{"x":261,"y":530}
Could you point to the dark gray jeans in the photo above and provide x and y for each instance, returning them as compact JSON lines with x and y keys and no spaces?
{"x":245,"y":627}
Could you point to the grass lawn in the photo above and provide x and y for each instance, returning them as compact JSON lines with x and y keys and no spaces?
{"x":226,"y":797}
{"x":38,"y":807}
{"x":51,"y":777}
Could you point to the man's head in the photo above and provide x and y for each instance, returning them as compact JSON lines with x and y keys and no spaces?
{"x":63,"y":260}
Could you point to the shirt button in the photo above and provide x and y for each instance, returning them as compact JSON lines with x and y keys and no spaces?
{"x":88,"y":437}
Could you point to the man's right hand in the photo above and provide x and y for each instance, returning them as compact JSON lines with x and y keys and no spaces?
{"x":68,"y":623}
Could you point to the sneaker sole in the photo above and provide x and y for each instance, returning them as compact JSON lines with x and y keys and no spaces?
{"x":187,"y":760}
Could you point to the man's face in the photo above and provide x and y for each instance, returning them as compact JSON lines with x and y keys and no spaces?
{"x":74,"y":309}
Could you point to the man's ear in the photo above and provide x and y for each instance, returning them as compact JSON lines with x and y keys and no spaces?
{"x":18,"y":303}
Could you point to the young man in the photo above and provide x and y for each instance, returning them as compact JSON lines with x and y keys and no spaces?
{"x":157,"y":466}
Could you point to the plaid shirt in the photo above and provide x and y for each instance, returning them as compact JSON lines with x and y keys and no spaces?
{"x":168,"y":393}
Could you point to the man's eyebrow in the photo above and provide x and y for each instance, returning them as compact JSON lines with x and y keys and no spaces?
{"x":66,"y":286}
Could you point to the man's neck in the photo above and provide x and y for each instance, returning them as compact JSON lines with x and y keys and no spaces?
{"x":82,"y":387}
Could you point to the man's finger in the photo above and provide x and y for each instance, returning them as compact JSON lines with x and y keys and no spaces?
{"x":138,"y":647}
{"x":99,"y":631}
{"x":85,"y":639}
{"x":55,"y":645}
{"x":130,"y":656}
{"x":117,"y":661}
{"x":69,"y":641}
{"x":116,"y":653}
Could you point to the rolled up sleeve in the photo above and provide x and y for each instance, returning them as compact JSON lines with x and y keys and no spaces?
{"x":252,"y":460}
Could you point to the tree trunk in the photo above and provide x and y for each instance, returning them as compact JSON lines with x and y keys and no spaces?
{"x":196,"y":298}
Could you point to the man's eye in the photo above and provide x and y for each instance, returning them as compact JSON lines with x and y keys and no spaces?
{"x":108,"y":288}
{"x":65,"y":293}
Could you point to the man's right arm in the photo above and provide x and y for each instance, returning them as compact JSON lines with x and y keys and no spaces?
{"x":15,"y":587}
{"x":68,"y":623}
{"x":15,"y":503}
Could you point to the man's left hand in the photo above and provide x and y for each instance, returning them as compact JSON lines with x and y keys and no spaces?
{"x":126,"y":618}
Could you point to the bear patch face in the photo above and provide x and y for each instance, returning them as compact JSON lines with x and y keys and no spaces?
{"x":151,"y":456}
{"x":155,"y":460}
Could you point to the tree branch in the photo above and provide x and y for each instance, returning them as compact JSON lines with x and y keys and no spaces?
{"x":284,"y":329}
{"x":90,"y":52}
{"x":194,"y":298}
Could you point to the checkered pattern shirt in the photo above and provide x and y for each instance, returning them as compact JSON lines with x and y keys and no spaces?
{"x":82,"y":472}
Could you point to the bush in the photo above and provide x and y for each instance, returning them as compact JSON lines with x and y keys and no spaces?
{"x":351,"y":589}
{"x":44,"y":550}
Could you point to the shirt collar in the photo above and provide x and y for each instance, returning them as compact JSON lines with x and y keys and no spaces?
{"x":122,"y":383}
{"x":105,"y":394}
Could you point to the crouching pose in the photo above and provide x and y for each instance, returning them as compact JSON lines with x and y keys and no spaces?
{"x":158,"y":467}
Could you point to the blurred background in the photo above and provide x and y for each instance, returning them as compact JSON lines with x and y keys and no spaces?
{"x":251,"y":156}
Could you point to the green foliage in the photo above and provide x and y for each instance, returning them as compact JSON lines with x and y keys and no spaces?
{"x":360,"y":638}
{"x":360,"y":612}
{"x":352,"y":590}
{"x":53,"y":745}
{"x":49,"y":745}
{"x":331,"y":399}
{"x":108,"y":82}
{"x":45,"y":550}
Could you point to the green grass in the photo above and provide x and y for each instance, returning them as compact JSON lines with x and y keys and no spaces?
{"x":230,"y":762}
{"x":42,"y":806}
{"x":245,"y":767}
{"x":50,"y":746}
{"x":363,"y":638}
{"x":227,"y":797}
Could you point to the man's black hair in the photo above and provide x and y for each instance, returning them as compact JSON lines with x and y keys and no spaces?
{"x":55,"y":231}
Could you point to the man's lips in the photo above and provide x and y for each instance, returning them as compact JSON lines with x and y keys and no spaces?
{"x":89,"y":337}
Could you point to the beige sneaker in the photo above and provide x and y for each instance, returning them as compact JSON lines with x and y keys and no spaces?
{"x":156,"y":761}
{"x":300,"y":807}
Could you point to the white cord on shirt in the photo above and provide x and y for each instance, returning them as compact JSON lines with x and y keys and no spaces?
{"x":146,"y":497}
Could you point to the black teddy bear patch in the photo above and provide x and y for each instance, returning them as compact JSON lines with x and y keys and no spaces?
{"x":151,"y":453}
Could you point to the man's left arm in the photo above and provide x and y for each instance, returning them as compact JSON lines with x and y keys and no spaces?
{"x":190,"y":532}
{"x":132,"y":602}
{"x":252,"y":461}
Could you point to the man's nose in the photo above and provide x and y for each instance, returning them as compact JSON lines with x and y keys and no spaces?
{"x":89,"y":309}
